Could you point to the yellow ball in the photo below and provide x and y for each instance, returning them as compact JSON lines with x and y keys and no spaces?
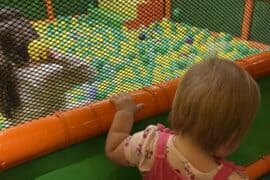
{"x":172,"y":56}
{"x":185,"y":49}
{"x":127,"y":73}
{"x":159,"y":75}
{"x":222,"y":34}
{"x":221,"y":55}
{"x":2,"y":118}
{"x":198,"y":59}
{"x":103,"y":85}
{"x":37,"y":50}
{"x":180,"y":72}
{"x":131,"y":87}
{"x":124,"y":48}
{"x":114,"y":59}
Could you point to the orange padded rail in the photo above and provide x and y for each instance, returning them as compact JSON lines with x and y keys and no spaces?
{"x":39,"y":137}
{"x":259,"y":168}
{"x":258,"y":65}
{"x":49,"y":9}
{"x":247,"y":19}
{"x":168,"y":5}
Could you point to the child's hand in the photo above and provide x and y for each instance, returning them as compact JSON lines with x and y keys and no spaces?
{"x":124,"y":102}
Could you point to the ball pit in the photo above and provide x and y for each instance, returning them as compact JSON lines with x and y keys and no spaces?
{"x":2,"y":119}
{"x":129,"y":59}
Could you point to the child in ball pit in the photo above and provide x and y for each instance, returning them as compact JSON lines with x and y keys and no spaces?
{"x":213,"y":108}
{"x":29,"y":89}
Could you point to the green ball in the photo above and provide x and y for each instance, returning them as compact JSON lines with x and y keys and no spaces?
{"x":176,"y":14}
{"x":253,"y":51}
{"x":183,"y":63}
{"x":174,"y":65}
{"x":101,"y":96}
{"x":228,"y":48}
{"x":194,"y":50}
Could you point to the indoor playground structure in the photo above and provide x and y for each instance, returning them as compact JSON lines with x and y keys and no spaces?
{"x":138,"y":46}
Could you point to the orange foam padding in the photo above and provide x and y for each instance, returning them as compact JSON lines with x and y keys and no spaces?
{"x":49,"y":9}
{"x":257,"y":65}
{"x":25,"y":142}
{"x":247,"y":19}
{"x":80,"y":123}
{"x":170,"y":88}
{"x":258,"y":168}
{"x":147,"y":13}
{"x":39,"y":137}
{"x":258,"y":45}
{"x":168,"y":5}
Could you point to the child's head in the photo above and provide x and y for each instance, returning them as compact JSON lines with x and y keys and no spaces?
{"x":215,"y":105}
{"x":16,"y":32}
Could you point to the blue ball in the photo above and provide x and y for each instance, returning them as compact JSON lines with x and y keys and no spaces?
{"x":142,"y":36}
{"x":189,"y":40}
{"x":91,"y":93}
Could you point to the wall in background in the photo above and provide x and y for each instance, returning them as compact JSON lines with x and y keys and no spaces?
{"x":72,"y":7}
{"x":221,"y":15}
{"x":33,"y":9}
{"x":260,"y":29}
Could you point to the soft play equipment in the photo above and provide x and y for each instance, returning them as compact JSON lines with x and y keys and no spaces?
{"x":142,"y":47}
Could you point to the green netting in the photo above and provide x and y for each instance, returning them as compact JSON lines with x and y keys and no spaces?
{"x":220,"y":16}
{"x":123,"y":59}
{"x":33,"y":10}
{"x":72,"y":7}
{"x":260,"y":28}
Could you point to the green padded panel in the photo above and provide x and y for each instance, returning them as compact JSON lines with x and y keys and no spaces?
{"x":222,"y":15}
{"x":71,"y":7}
{"x":256,"y":143}
{"x":35,"y":10}
{"x":260,"y":29}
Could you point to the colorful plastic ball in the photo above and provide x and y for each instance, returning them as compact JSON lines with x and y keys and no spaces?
{"x":37,"y":50}
{"x":91,"y":93}
{"x":142,"y":36}
{"x":176,"y":13}
{"x":189,"y":40}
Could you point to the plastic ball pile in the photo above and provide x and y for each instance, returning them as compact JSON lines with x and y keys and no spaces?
{"x":2,"y":120}
{"x":126,"y":60}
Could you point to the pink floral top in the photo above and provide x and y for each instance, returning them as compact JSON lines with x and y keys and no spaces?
{"x":140,"y":152}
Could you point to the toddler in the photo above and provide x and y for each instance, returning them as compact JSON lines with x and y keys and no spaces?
{"x":213,"y":108}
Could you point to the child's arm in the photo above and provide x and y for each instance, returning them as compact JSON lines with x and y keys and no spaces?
{"x":75,"y":69}
{"x":121,"y":127}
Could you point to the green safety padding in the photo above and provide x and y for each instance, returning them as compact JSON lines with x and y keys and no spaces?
{"x":72,"y":7}
{"x":260,"y":29}
{"x":34,"y":10}
{"x":256,"y":144}
{"x":87,"y":161}
{"x":220,"y":16}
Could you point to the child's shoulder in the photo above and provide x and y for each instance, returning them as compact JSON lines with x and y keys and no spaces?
{"x":147,"y":135}
{"x":150,"y":133}
{"x":139,"y":148}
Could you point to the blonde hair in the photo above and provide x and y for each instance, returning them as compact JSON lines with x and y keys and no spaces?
{"x":215,"y":104}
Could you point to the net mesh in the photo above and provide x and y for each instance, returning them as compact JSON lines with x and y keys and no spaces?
{"x":57,"y":54}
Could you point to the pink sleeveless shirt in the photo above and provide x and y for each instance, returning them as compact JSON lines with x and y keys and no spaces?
{"x":162,"y":170}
